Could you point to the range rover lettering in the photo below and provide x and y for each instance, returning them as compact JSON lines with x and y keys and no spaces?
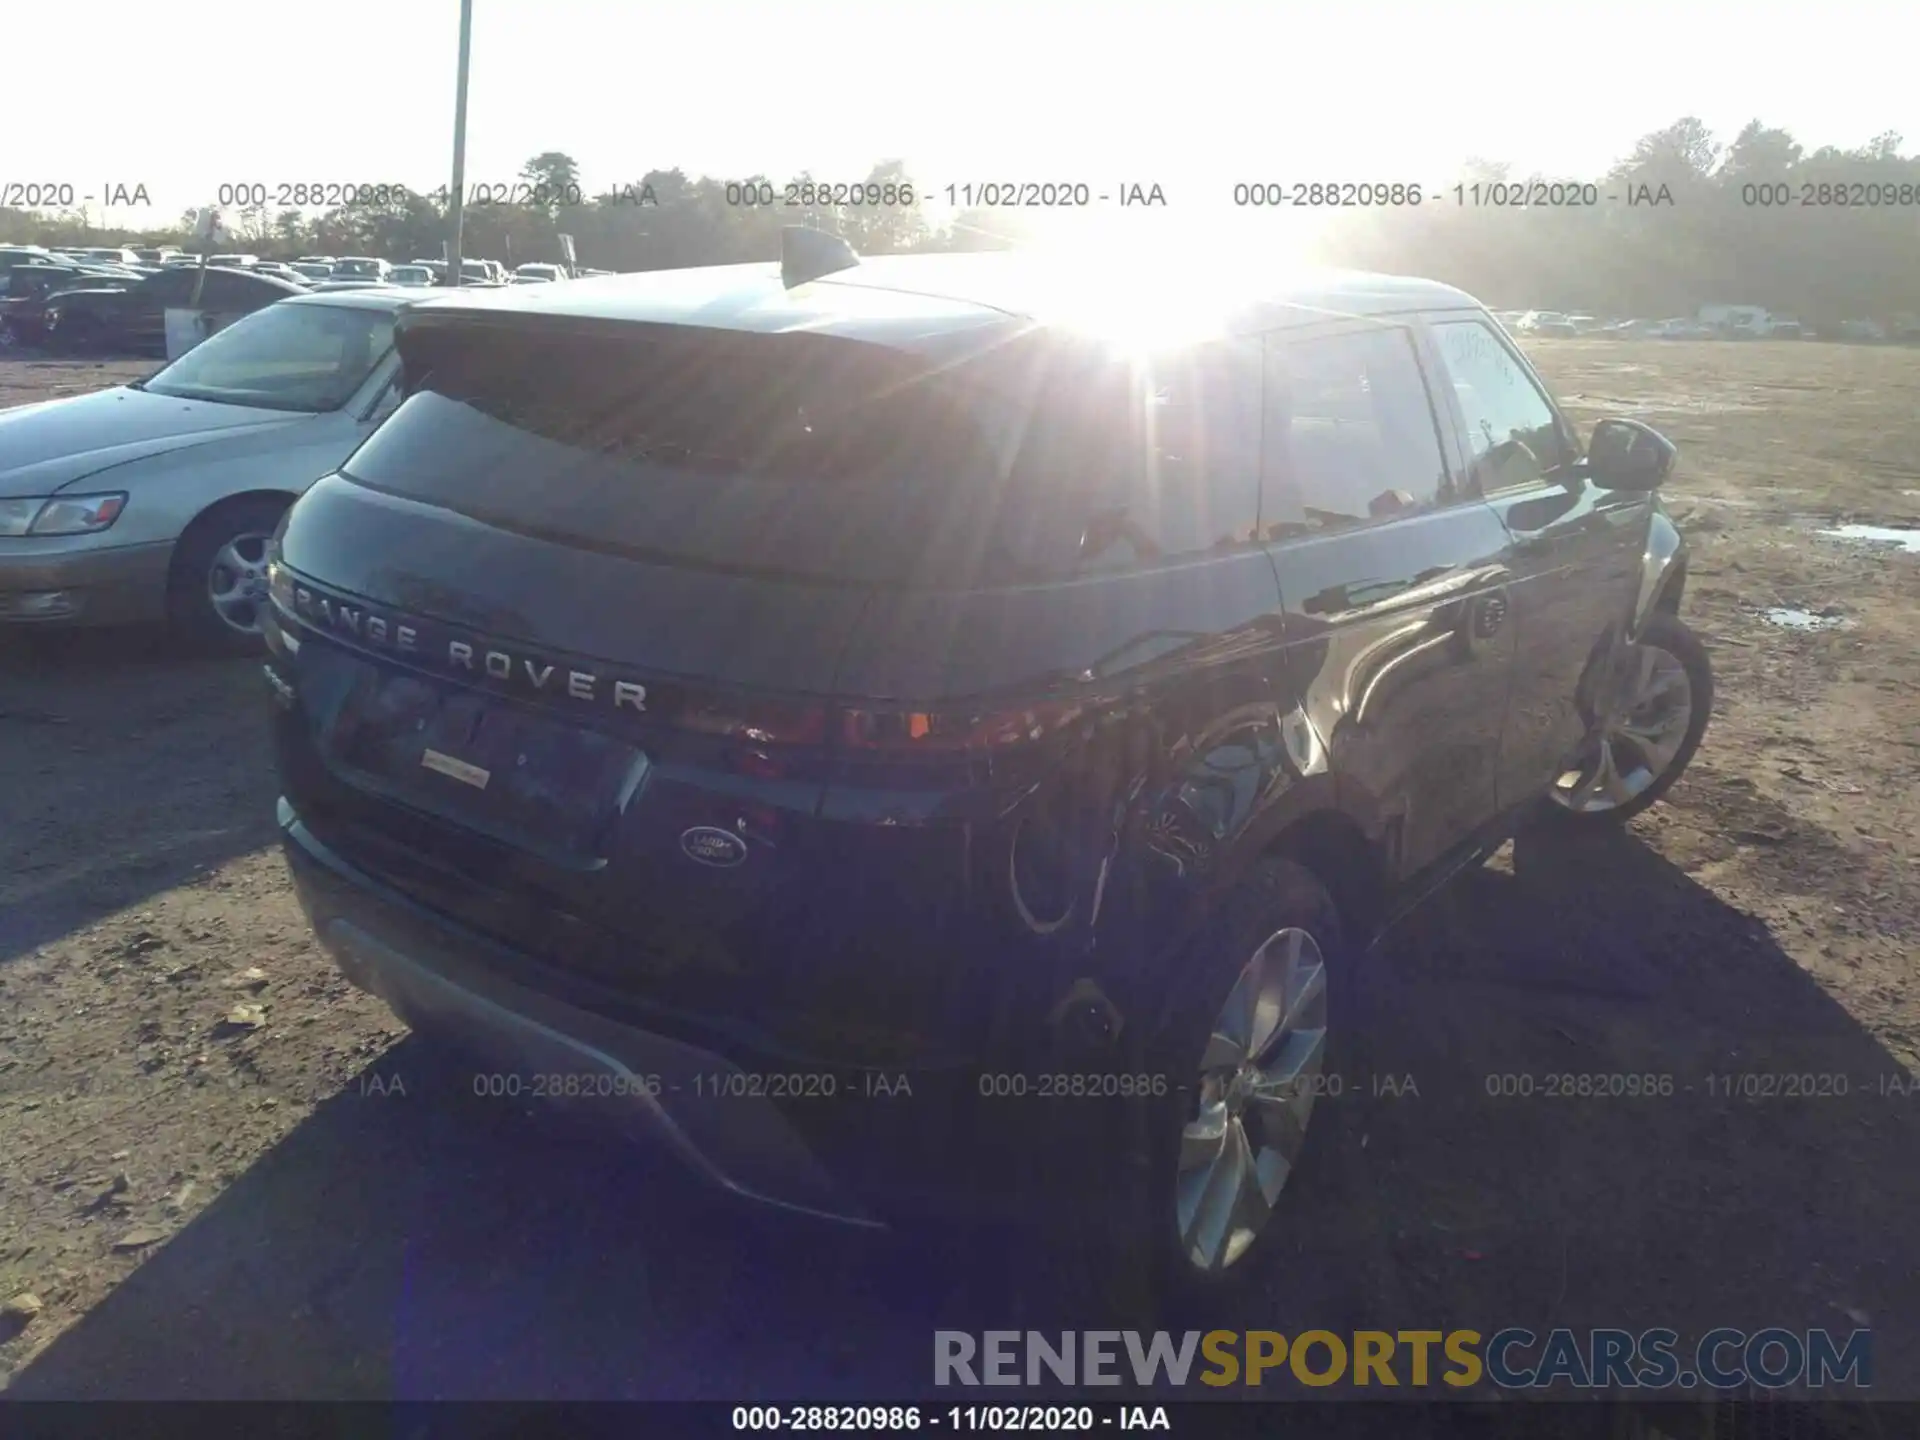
{"x":473,"y":657}
{"x":886,"y":670}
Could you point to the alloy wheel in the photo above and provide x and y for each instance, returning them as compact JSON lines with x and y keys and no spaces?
{"x":1259,"y":1075}
{"x":1636,"y":744}
{"x":237,"y":582}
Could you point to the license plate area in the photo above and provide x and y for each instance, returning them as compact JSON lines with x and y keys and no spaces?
{"x":477,"y":760}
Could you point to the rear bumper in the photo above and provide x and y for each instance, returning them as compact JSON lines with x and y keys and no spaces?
{"x":435,"y":978}
{"x":79,"y":582}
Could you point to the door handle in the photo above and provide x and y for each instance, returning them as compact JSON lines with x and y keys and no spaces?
{"x":1343,"y":597}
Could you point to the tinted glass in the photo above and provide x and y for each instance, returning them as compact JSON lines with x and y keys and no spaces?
{"x":812,"y":456}
{"x":1127,"y":463}
{"x":40,"y":279}
{"x":1351,"y":434}
{"x":227,"y":288}
{"x":768,"y":454}
{"x":1513,"y":436}
{"x":170,"y":286}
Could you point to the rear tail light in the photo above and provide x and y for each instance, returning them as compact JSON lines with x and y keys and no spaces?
{"x":949,"y":733}
{"x":754,"y":722}
{"x":765,"y":738}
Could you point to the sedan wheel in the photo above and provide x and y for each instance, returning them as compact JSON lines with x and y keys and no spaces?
{"x":1259,"y":1075}
{"x":237,"y":582}
{"x":217,"y":590}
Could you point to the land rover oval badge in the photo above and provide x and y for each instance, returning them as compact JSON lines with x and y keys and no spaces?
{"x":712,"y":846}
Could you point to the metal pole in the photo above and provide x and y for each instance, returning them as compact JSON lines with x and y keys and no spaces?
{"x":455,"y":209}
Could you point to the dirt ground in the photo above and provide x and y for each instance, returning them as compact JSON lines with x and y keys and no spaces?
{"x":306,"y":1207}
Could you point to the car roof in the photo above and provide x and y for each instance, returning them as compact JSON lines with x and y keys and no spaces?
{"x":99,"y":272}
{"x":369,"y":299}
{"x":915,"y":300}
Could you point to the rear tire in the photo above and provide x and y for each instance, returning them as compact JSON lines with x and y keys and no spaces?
{"x":1168,"y":1217}
{"x":216,"y":591}
{"x":77,"y":334}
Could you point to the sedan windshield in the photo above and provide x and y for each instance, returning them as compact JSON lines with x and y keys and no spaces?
{"x":285,"y":357}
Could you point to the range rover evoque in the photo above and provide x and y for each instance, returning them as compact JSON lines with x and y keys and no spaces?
{"x":908,"y":739}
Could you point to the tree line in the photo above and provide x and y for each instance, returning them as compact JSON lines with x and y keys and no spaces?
{"x":1681,"y":221}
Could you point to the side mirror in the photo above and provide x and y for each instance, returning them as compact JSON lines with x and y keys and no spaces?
{"x":1626,"y":455}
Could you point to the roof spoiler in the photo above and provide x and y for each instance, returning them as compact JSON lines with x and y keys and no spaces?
{"x":807,"y":254}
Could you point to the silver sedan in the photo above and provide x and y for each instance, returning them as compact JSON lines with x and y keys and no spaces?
{"x":156,"y":501}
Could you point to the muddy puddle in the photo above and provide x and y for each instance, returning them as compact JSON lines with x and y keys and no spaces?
{"x":1787,"y":618}
{"x":1903,"y":537}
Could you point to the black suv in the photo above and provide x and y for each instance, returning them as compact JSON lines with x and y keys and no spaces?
{"x":132,"y":317}
{"x":856,"y":718}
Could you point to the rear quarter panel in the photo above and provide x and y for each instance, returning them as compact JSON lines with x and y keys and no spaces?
{"x":1175,"y":771}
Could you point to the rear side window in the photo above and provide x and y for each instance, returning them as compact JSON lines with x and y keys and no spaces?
{"x":1351,"y":432}
{"x":223,"y":287}
{"x":171,"y":287}
{"x":1129,"y":463}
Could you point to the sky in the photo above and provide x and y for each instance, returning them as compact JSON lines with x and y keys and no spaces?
{"x":1191,"y":96}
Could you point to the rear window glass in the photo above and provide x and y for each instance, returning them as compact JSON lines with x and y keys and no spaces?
{"x":825,"y":458}
{"x":793,"y":455}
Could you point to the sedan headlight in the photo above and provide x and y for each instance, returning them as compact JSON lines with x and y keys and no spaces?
{"x":16,"y":515}
{"x":279,"y":580}
{"x":61,"y":514}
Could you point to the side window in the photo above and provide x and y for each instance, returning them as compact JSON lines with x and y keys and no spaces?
{"x":225,"y":289}
{"x":1351,"y":433}
{"x":1513,"y":436}
{"x":1129,"y":465}
{"x":170,"y":287}
{"x":31,"y":280}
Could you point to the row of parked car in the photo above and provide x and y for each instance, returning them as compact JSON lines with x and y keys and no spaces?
{"x":1714,"y":322}
{"x":330,"y":272}
{"x":312,"y":269}
{"x":1554,"y":324}
{"x":111,"y":299}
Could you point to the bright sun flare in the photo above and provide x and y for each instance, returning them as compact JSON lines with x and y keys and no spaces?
{"x":1146,"y":287}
